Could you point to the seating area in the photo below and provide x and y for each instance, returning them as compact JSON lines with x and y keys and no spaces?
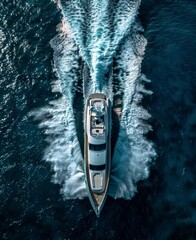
{"x":97,"y":108}
{"x":97,"y":117}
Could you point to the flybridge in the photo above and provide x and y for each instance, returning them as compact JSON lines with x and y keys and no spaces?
{"x":97,"y":107}
{"x":97,"y":157}
{"x":97,"y":112}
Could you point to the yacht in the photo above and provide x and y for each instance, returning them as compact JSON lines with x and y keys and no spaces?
{"x":97,"y":150}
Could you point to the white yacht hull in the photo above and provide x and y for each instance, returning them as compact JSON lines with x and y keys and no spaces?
{"x":97,"y":150}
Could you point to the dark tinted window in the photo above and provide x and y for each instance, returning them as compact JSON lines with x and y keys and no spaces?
{"x":97,"y":167}
{"x":98,"y":147}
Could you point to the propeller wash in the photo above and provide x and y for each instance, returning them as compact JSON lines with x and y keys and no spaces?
{"x":106,"y":37}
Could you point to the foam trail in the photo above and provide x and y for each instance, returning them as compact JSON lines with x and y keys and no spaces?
{"x":64,"y":151}
{"x":107,"y":36}
{"x":99,"y":26}
{"x":133,"y":152}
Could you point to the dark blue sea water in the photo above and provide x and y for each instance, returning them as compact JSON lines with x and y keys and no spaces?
{"x":40,"y":124}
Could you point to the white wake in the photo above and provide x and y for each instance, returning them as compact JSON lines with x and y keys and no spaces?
{"x":107,"y":36}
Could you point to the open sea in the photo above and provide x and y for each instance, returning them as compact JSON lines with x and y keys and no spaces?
{"x":53,"y":54}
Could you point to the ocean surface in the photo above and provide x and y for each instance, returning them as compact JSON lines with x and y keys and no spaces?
{"x":53,"y":55}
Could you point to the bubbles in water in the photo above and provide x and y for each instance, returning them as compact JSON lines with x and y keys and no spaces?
{"x":107,"y":36}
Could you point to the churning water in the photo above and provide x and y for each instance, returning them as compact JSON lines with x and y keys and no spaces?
{"x":107,"y":36}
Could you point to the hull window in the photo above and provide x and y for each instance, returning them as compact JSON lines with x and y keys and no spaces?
{"x":97,"y":167}
{"x":99,"y":147}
